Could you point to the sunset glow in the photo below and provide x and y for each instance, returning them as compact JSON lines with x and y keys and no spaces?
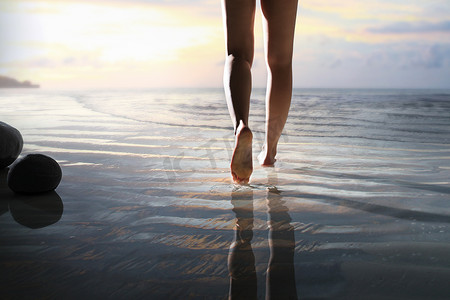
{"x":128,"y":44}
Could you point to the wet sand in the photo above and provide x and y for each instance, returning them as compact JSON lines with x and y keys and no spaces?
{"x":146,"y":208}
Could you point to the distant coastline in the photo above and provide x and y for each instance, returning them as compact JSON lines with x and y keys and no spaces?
{"x":7,"y":82}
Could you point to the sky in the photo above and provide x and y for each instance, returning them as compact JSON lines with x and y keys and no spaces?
{"x":84,"y":44}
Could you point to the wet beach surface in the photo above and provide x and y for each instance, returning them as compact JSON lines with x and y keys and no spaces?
{"x":357,"y":207}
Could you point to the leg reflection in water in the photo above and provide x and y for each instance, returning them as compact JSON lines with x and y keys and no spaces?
{"x":280,"y":277}
{"x":241,"y":259}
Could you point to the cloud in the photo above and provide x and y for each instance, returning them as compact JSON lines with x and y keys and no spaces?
{"x":358,"y":10}
{"x":178,"y":42}
{"x":412,"y":27}
{"x":335,"y":64}
{"x":193,"y":7}
{"x":409,"y":57}
{"x":435,"y":56}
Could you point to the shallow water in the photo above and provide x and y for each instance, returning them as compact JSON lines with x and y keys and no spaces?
{"x":358,"y":206}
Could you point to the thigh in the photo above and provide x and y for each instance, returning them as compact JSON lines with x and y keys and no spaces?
{"x":280,"y":17}
{"x":239,"y":16}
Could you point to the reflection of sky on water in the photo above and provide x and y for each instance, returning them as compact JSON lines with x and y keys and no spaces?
{"x":149,"y":208}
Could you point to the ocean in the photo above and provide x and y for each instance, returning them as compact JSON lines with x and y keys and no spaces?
{"x":356,"y":207}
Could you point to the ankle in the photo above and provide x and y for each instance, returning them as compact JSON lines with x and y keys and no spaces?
{"x":242,"y":126}
{"x":269,"y":151}
{"x":267,"y":157}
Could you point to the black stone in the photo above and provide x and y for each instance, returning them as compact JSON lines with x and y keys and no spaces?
{"x":11,"y":144}
{"x":3,"y":179}
{"x":5,"y":192}
{"x":34,"y":173}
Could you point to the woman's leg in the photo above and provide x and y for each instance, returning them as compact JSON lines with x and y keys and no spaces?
{"x":279,"y":25}
{"x":238,"y":21}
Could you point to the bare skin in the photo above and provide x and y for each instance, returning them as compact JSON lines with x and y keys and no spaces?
{"x":241,"y":161}
{"x":279,"y":25}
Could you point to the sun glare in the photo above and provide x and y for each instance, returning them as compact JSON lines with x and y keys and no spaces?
{"x":135,"y":33}
{"x":99,"y":43}
{"x":67,"y":43}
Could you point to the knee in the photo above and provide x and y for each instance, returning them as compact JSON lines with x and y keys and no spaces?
{"x":235,"y":59}
{"x":279,"y":62}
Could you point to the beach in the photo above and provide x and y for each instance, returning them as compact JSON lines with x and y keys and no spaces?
{"x":356,"y":207}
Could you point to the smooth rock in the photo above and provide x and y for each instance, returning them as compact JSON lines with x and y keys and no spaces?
{"x":34,"y":173}
{"x":3,"y":178}
{"x":11,"y":144}
{"x":5,"y":192}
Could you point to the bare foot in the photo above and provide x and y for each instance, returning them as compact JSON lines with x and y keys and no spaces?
{"x":241,"y":161}
{"x":265,"y":158}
